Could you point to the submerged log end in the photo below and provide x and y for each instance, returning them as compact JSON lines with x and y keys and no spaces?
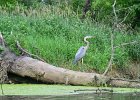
{"x":124,"y":83}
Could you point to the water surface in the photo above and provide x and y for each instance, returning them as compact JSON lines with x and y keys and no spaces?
{"x":90,"y":96}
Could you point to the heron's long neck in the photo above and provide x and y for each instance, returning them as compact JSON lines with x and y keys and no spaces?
{"x":86,"y":43}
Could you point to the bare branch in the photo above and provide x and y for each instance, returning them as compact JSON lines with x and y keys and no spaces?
{"x":112,"y":52}
{"x":114,"y":11}
{"x":26,"y":52}
{"x":101,"y":90}
{"x":112,"y":40}
{"x":130,"y":7}
{"x":112,"y":55}
{"x":124,"y":18}
{"x":123,"y":44}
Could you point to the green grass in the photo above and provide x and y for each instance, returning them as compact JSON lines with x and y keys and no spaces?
{"x":55,"y":35}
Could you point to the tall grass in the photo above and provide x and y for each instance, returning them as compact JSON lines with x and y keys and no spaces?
{"x":55,"y":35}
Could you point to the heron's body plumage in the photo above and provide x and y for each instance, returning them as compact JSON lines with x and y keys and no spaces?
{"x":80,"y":54}
{"x":81,"y":51}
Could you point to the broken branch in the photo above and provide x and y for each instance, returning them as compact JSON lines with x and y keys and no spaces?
{"x":26,"y":52}
{"x":123,"y":44}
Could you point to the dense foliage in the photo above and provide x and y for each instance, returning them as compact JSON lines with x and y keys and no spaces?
{"x":99,"y":10}
{"x":102,"y":9}
{"x":55,"y":32}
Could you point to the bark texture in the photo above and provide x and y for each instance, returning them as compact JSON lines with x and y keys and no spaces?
{"x":28,"y":67}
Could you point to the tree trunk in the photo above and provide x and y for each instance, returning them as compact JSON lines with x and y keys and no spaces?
{"x":26,"y":66}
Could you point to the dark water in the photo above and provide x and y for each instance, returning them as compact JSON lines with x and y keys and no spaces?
{"x":105,"y":96}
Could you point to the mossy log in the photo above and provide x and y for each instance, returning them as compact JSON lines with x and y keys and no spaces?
{"x":25,"y":66}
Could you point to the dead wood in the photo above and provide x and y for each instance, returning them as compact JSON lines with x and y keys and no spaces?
{"x":119,"y":82}
{"x":28,"y":67}
{"x":27,"y":53}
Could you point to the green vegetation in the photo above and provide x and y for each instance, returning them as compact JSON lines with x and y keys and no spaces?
{"x":55,"y":33}
{"x":43,"y":89}
{"x":101,"y":11}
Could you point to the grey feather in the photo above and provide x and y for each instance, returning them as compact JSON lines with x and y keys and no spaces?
{"x":80,"y":54}
{"x":82,"y":50}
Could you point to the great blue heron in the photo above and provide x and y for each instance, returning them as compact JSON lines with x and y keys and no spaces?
{"x":82,"y":50}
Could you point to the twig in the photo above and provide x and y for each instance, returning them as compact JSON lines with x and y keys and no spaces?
{"x":105,"y":90}
{"x":112,"y":40}
{"x":114,"y":11}
{"x":123,"y":44}
{"x":112,"y":54}
{"x":130,"y":7}
{"x":26,"y":52}
{"x":124,"y":18}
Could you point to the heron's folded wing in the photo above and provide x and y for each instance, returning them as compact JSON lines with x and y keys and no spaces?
{"x":80,"y":53}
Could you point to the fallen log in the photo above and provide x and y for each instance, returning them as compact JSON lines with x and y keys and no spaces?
{"x":28,"y":67}
{"x":25,"y":66}
{"x":120,"y":82}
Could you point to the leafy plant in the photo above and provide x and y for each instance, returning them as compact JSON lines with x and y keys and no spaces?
{"x":55,"y":35}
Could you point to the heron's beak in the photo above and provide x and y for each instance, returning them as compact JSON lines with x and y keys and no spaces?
{"x":92,"y":37}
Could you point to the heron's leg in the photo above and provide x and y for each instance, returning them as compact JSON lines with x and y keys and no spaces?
{"x":82,"y":61}
{"x":79,"y":65}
